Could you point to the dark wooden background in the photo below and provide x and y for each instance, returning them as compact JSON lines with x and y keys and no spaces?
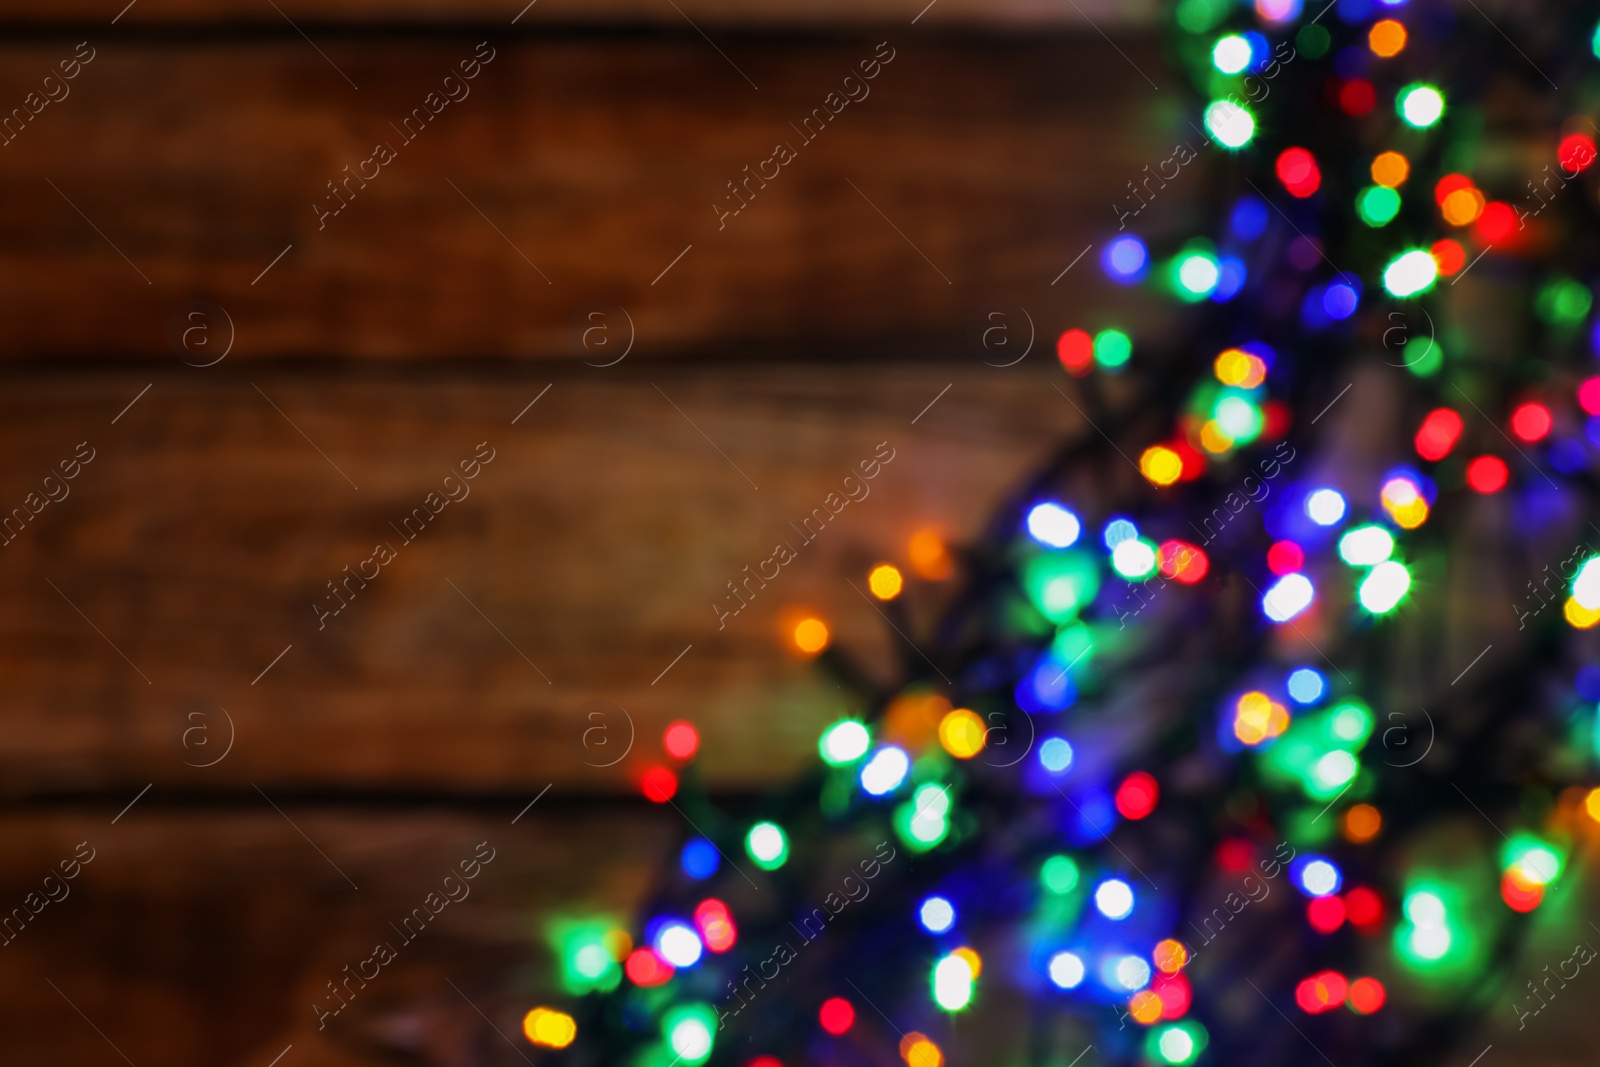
{"x":173,"y":587}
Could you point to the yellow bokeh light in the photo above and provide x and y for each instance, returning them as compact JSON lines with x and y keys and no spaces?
{"x":1578,"y":615}
{"x":550,"y":1028}
{"x":929,"y":556}
{"x":1161,"y":465}
{"x":1170,"y":956}
{"x":972,"y":958}
{"x":1213,"y":439}
{"x":1391,"y":169}
{"x":885,"y":581}
{"x":918,"y":1051}
{"x":1145,"y":1007}
{"x":1237,"y":367}
{"x":811,"y":636}
{"x":961,"y":733}
{"x":1386,"y":38}
{"x":1591,"y":804}
{"x":1362,"y":823}
{"x":1462,"y":207}
{"x":1257,"y":717}
{"x":1405,"y":505}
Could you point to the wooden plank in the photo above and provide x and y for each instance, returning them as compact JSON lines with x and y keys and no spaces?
{"x":160,"y":596}
{"x":726,"y":14}
{"x":575,"y":172}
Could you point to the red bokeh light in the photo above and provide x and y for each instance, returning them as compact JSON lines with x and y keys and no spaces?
{"x":1487,"y":474}
{"x":1531,"y":422}
{"x":1175,"y":995}
{"x":1439,"y":433}
{"x":1450,"y":256}
{"x":765,"y":1061}
{"x":1326,"y":914}
{"x":1285,"y":557}
{"x":836,"y":1016}
{"x":645,"y":968}
{"x":1194,"y":461}
{"x":716,"y":925}
{"x":1137,"y":795}
{"x":1363,"y":907}
{"x":681,"y":740}
{"x":659,"y":784}
{"x":1367,"y":995}
{"x":1498,"y":221}
{"x":1183,"y":561}
{"x":1075,"y":349}
{"x":1235,"y":854}
{"x":1450,"y":183}
{"x":1576,"y":153}
{"x":1519,"y":894}
{"x":1297,"y":170}
{"x":1357,"y":97}
{"x":1321,"y":992}
{"x":1589,"y":396}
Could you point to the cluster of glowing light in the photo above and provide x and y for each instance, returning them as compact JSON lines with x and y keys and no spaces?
{"x":1297,"y":170}
{"x":1586,"y":584}
{"x":1055,"y":754}
{"x":1160,"y":465}
{"x":1195,"y":273}
{"x":885,"y":581}
{"x":1177,"y":1044}
{"x":952,"y":982}
{"x":1325,"y":914}
{"x":1326,"y":507}
{"x":1390,"y":169}
{"x":961,"y":732}
{"x":659,"y":785}
{"x":1533,"y":860}
{"x":1229,"y":124}
{"x":1137,"y":796}
{"x":1426,"y":936}
{"x":1410,"y":273}
{"x":925,"y":820}
{"x":929,"y":556}
{"x":1059,"y":875}
{"x":1361,"y":824}
{"x":690,"y":1031}
{"x":1384,"y":587}
{"x":1316,"y":877}
{"x":918,"y":1050}
{"x":549,"y":1028}
{"x":844,"y":742}
{"x":1306,"y":685}
{"x":767,"y":845}
{"x":1134,"y":559}
{"x":1367,"y":995}
{"x":678,"y":944}
{"x":1131,"y":972}
{"x":1066,"y":970}
{"x":837,"y":1015}
{"x":1257,"y":718}
{"x":1438,"y":434}
{"x":1288,"y":597}
{"x":1075,"y":350}
{"x":1285,"y":557}
{"x":716,"y":925}
{"x":1053,"y":525}
{"x":646,"y":968}
{"x":1531,"y":422}
{"x":1377,"y":205}
{"x":1240,"y":368}
{"x":1113,"y":898}
{"x":1169,"y":956}
{"x":1112,"y":348}
{"x":1322,"y":992}
{"x":681,"y":740}
{"x":1185,"y":562}
{"x":1488,"y":474}
{"x":884,"y":772}
{"x":1232,"y":54}
{"x":1125,"y":259}
{"x":1386,"y":38}
{"x":699,"y":859}
{"x":1238,"y":419}
{"x":810,"y":635}
{"x":936,"y":915}
{"x":1576,"y":152}
{"x":1519,"y":893}
{"x":1420,"y":105}
{"x":1403,"y":500}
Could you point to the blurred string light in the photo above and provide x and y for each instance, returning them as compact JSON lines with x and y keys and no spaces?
{"x":1125,"y":260}
{"x":1288,"y":597}
{"x":1052,"y":525}
{"x":767,"y":845}
{"x":1066,"y":970}
{"x":936,"y":915}
{"x":1420,"y":105}
{"x":844,"y":742}
{"x":1410,"y":273}
{"x":953,"y":979}
{"x":885,"y":771}
{"x":1230,"y":124}
{"x":549,"y":1028}
{"x":1113,"y":898}
{"x":885,"y":581}
{"x":1325,"y":507}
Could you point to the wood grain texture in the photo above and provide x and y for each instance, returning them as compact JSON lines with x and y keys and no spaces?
{"x":192,"y":548}
{"x":575,"y":172}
